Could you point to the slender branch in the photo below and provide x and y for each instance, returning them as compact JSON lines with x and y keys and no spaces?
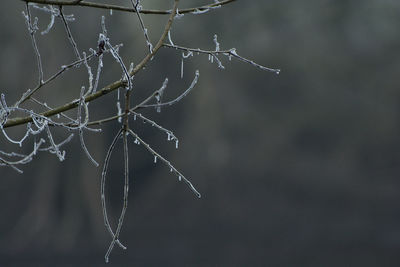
{"x":43,"y":121}
{"x":27,"y":95}
{"x":128,"y":9}
{"x":137,"y":8}
{"x":214,"y":53}
{"x":81,"y":125}
{"x":69,"y":34}
{"x":170,"y":134}
{"x":32,"y":27}
{"x":174,"y":101}
{"x":156,"y":155}
{"x":24,"y":158}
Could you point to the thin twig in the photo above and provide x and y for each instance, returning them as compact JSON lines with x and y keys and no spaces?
{"x":137,"y":7}
{"x":103,"y":185}
{"x":28,"y":94}
{"x":25,"y":158}
{"x":170,"y":134}
{"x":125,"y":203}
{"x":174,"y":101}
{"x":214,"y":53}
{"x":32,"y":27}
{"x":69,"y":34}
{"x":83,"y":125}
{"x":166,"y":162}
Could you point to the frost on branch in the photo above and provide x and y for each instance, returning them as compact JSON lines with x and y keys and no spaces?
{"x":214,"y":55}
{"x":42,"y":119}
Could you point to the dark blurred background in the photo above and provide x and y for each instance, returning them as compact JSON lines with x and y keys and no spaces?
{"x":296,"y":169}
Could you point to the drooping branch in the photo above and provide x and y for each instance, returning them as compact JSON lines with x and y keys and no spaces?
{"x":124,"y":133}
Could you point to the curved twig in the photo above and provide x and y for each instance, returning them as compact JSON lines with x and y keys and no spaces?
{"x":103,"y":186}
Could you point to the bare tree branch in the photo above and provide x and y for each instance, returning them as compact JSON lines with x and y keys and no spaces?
{"x":43,"y":120}
{"x":128,"y":9}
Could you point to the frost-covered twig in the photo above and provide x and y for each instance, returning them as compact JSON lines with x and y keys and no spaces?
{"x":70,"y":124}
{"x":69,"y":34}
{"x":137,"y":7}
{"x":115,"y":53}
{"x":170,"y":134}
{"x":156,"y":155}
{"x":82,"y":125}
{"x":125,"y":201}
{"x":51,"y":148}
{"x":99,"y":67}
{"x":53,"y":13}
{"x":159,"y":94}
{"x":103,"y":186}
{"x":24,"y":158}
{"x":63,"y":68}
{"x":215,"y":53}
{"x":32,"y":28}
{"x":174,"y":101}
{"x":90,"y":75}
